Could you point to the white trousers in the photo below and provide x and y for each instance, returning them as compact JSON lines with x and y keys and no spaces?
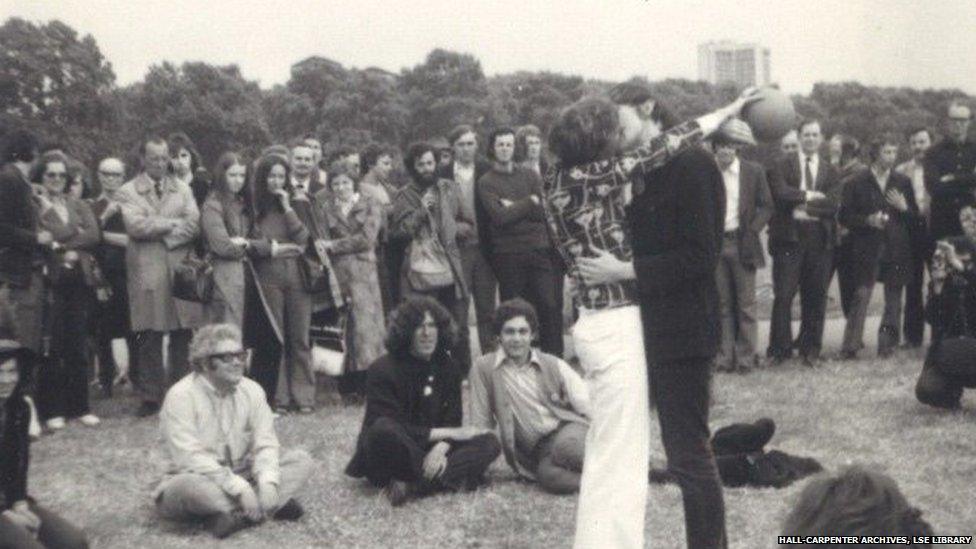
{"x":613,"y":488}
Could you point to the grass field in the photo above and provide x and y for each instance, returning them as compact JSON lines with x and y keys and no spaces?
{"x":841,"y":413}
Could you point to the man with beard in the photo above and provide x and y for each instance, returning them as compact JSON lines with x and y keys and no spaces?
{"x":428,"y":220}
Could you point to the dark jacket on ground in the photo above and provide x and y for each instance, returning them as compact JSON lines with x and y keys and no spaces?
{"x":395,"y":390}
{"x":755,"y":209}
{"x":19,"y":251}
{"x":676,"y":222}
{"x":784,"y":182}
{"x":948,"y":197}
{"x":520,"y":226}
{"x":887,"y":251}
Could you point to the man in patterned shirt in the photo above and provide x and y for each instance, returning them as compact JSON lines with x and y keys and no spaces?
{"x":602,"y":147}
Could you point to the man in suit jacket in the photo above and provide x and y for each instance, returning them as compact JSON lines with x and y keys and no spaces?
{"x":801,"y":241}
{"x":919,"y":141}
{"x":748,"y":207}
{"x":466,"y":169}
{"x":879,"y":210}
{"x":950,"y":173}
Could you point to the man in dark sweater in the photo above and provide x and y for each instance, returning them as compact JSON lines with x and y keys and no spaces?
{"x":950,"y":173}
{"x":523,"y":254}
{"x":411,"y":442}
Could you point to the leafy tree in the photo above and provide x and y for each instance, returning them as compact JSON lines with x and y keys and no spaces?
{"x":215,"y":106}
{"x":58,"y":84}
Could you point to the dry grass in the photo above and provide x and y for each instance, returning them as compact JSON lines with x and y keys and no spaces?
{"x":841,"y":413}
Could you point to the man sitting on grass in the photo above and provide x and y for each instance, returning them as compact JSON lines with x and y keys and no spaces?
{"x":412,"y":442}
{"x":539,"y":402}
{"x":220,"y":435}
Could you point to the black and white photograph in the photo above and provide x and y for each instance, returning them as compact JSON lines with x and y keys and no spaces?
{"x":487,"y":274}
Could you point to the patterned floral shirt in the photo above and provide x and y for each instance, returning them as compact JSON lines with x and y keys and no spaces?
{"x":585,"y":209}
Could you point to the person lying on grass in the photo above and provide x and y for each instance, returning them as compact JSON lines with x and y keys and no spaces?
{"x":411,"y":442}
{"x":226,"y":465}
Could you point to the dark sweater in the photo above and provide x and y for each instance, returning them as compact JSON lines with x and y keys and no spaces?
{"x":14,"y":449}
{"x":520,"y":226}
{"x":395,"y":390}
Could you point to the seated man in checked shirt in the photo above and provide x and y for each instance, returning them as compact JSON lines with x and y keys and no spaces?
{"x":226,"y":464}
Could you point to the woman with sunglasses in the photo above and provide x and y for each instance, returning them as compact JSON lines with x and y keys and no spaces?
{"x":63,"y":380}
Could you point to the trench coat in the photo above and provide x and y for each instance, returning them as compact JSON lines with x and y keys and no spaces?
{"x":154,"y":251}
{"x":353,"y":254}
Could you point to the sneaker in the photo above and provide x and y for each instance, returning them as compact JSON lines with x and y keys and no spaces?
{"x":397,"y":492}
{"x":147,"y":409}
{"x":306,"y":410}
{"x":223,"y":525}
{"x":55,"y":423}
{"x":291,"y":510}
{"x":281,"y":411}
{"x":89,"y":420}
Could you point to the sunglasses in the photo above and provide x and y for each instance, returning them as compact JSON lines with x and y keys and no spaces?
{"x":56,"y":175}
{"x":110,"y":174}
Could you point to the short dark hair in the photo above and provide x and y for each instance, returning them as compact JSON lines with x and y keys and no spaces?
{"x":414,"y":152}
{"x":340,"y":167}
{"x":495,"y":134}
{"x":804,"y":122}
{"x":19,"y":146}
{"x":514,"y":308}
{"x":855,"y":502}
{"x":407,"y":317}
{"x":916,"y":130}
{"x":155,"y":140}
{"x":878,"y":143}
{"x":458,"y":131}
{"x":584,"y":131}
{"x":636,"y":93}
{"x":53,"y":157}
{"x":372,"y":153}
{"x":850,"y":148}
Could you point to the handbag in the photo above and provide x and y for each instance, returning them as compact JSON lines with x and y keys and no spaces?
{"x":428,"y":267}
{"x":193,"y":278}
{"x":315,"y":277}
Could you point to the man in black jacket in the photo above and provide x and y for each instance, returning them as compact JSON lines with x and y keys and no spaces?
{"x":950,"y":173}
{"x":21,"y":239}
{"x":411,"y":442}
{"x":466,"y":169}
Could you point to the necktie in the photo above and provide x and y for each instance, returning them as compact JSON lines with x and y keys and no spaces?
{"x":808,"y":174}
{"x":159,"y":189}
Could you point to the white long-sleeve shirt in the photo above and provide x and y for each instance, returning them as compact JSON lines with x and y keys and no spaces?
{"x":220,"y":436}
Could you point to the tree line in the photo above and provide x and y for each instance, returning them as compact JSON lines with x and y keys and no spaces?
{"x":57,"y":83}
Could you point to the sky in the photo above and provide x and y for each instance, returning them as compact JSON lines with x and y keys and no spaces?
{"x":876,"y":42}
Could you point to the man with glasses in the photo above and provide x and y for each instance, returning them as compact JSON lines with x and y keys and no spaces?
{"x":226,"y":464}
{"x":949,"y":173}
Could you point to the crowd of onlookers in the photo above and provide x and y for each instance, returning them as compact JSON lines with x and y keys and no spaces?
{"x":262,"y":256}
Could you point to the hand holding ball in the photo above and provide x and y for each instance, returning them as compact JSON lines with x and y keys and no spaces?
{"x":771,"y":116}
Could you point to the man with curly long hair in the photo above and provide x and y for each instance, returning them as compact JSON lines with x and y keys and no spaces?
{"x":412,"y":442}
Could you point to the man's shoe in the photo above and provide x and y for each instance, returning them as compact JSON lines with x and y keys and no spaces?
{"x":55,"y":423}
{"x":397,"y":492}
{"x":147,"y":409}
{"x":223,"y":525}
{"x":291,"y":510}
{"x":89,"y":420}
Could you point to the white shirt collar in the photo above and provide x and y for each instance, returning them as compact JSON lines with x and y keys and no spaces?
{"x":733,"y":168}
{"x":501,"y":358}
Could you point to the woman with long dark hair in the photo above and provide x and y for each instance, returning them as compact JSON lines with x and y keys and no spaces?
{"x":278,"y":239}
{"x":225,"y":222}
{"x":353,"y":222}
{"x":23,"y":523}
{"x":63,"y":380}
